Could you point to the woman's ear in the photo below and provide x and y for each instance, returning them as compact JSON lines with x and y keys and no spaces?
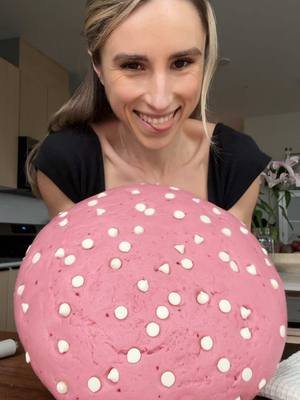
{"x":96,"y":68}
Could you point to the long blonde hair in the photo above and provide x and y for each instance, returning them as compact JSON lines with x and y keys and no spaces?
{"x":89,"y":104}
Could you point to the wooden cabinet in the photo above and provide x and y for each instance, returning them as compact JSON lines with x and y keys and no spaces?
{"x":9,"y":123}
{"x":7,"y":285}
{"x":32,"y":88}
{"x":44,"y":88}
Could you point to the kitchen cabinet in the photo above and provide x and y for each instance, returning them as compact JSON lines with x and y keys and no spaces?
{"x":44,"y":87}
{"x":9,"y":122}
{"x":32,"y":88}
{"x":7,"y":286}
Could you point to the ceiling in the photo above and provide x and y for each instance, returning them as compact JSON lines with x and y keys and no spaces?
{"x":258,"y":36}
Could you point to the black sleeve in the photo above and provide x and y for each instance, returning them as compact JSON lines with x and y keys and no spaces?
{"x":238,"y":161}
{"x":72,"y":159}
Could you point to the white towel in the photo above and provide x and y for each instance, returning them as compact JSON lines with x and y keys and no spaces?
{"x":285,"y":384}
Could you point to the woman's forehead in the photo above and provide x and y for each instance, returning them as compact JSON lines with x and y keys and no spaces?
{"x":174,"y":25}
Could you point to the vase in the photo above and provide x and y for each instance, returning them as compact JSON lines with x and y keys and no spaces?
{"x":267,"y":237}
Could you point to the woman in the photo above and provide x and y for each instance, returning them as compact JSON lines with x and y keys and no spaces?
{"x":135,"y":118}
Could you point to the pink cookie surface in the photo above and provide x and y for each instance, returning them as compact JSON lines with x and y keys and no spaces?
{"x":145,"y":292}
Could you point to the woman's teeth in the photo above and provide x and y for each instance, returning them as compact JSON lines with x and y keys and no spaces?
{"x":156,"y":121}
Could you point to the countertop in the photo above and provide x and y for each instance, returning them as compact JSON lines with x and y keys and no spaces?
{"x":18,"y":381}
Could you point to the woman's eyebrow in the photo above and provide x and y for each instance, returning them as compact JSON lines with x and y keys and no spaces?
{"x":118,"y":58}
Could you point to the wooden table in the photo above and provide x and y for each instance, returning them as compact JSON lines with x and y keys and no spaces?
{"x":18,"y":381}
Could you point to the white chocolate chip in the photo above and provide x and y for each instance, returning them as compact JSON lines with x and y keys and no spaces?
{"x":100,"y":212}
{"x":113,"y":375}
{"x":113,"y":232}
{"x":94,"y":384}
{"x":141,"y":207}
{"x":121,"y":312}
{"x":87,"y":244}
{"x":264,"y":251}
{"x":244,"y":230}
{"x":174,"y":188}
{"x":234,"y":266}
{"x":28,"y":249}
{"x":198,"y":239}
{"x":152,"y":329}
{"x":60,"y":253}
{"x":202,"y":298}
{"x":134,"y":355}
{"x":217,"y":211}
{"x":77,"y":281}
{"x":186,"y":263}
{"x":227,"y":232}
{"x":69,"y":260}
{"x":251,"y":269}
{"x":36,"y":258}
{"x":196,"y":200}
{"x":224,"y":365}
{"x":149,"y":212}
{"x":135,"y":192}
{"x":247,"y":374}
{"x":274,"y":283}
{"x":101,"y":195}
{"x":180,"y":248}
{"x":116,"y":263}
{"x":165,"y":268}
{"x":25,"y":307}
{"x":262,"y":384}
{"x":167,"y":379}
{"x":20,"y":290}
{"x":125,"y":247}
{"x":268,"y":263}
{"x":282,"y":331}
{"x":205,"y":219}
{"x":64,"y":222}
{"x":64,"y":310}
{"x":162,"y":312}
{"x":225,"y":306}
{"x":174,"y":298}
{"x":138,"y":230}
{"x":170,"y":196}
{"x":63,"y":214}
{"x":179,"y":214}
{"x":92,"y":203}
{"x":245,"y":312}
{"x":246,"y":333}
{"x":207,"y":343}
{"x":223,"y":256}
{"x":27,"y":358}
{"x":62,"y":388}
{"x":63,"y":346}
{"x":143,"y":285}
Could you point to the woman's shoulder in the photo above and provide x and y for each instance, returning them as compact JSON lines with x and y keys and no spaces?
{"x":70,"y":139}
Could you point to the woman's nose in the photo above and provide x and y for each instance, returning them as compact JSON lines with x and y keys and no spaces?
{"x":159,"y":93}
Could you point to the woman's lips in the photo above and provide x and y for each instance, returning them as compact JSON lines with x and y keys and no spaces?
{"x":157,"y":124}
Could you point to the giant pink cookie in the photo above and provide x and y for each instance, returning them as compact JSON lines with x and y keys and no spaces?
{"x":145,"y":292}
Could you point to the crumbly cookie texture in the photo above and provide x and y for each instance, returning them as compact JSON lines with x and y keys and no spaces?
{"x":147,"y":292}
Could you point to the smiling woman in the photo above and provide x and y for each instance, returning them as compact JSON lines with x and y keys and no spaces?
{"x":140,"y":115}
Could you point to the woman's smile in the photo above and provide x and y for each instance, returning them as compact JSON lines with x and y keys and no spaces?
{"x":157,"y":123}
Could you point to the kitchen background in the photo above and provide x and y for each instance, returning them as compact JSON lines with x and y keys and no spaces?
{"x":43,"y":58}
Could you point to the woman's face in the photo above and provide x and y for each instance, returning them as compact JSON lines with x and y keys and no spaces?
{"x":152,"y":69}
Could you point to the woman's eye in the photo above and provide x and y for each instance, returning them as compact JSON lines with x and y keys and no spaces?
{"x":180,"y":64}
{"x":132,"y":66}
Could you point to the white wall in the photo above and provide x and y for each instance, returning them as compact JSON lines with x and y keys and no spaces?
{"x":22,"y":209}
{"x":273,"y":133}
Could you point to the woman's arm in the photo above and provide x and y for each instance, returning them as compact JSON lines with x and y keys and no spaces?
{"x":244,"y":207}
{"x":55,"y":200}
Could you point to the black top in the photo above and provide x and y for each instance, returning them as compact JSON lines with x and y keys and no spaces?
{"x":72,"y":158}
